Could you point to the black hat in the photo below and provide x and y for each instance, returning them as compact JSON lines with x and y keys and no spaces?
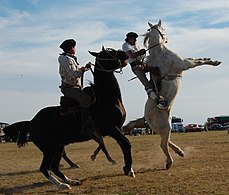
{"x":68,"y":44}
{"x":132,"y":34}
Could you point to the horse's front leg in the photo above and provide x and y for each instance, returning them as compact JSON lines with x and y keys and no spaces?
{"x":125,"y":145}
{"x":193,"y":62}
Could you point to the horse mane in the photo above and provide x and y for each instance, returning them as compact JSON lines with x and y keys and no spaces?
{"x":146,"y":38}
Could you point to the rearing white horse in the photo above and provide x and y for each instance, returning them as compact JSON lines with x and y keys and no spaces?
{"x":170,"y":67}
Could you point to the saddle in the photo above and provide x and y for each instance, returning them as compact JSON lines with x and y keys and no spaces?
{"x":71,"y":106}
{"x":68,"y":106}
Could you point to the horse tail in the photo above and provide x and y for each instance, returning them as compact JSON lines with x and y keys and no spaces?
{"x":18,"y":131}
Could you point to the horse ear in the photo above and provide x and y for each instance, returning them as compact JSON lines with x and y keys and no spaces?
{"x":103,"y":48}
{"x":159,"y":23}
{"x":150,"y":25}
{"x":93,"y":53}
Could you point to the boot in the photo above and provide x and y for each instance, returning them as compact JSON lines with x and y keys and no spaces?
{"x":161,"y":102}
{"x":151,"y":94}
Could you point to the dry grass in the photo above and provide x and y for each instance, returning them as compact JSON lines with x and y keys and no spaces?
{"x":204,"y":170}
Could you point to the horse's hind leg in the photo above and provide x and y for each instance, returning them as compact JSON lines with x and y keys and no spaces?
{"x":93,"y":156}
{"x":45,"y":169}
{"x":104,"y":149}
{"x":68,"y":160}
{"x":176,"y":149}
{"x":56,"y":168}
{"x":164,"y":146}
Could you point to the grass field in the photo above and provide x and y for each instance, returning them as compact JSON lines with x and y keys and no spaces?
{"x":203,"y":170}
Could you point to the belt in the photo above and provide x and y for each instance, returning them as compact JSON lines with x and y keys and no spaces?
{"x":65,"y":85}
{"x":135,"y":63}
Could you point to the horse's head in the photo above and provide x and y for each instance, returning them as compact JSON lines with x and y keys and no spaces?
{"x":109,"y":59}
{"x":155,"y":35}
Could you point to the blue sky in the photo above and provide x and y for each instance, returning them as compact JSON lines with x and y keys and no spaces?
{"x":32,"y":30}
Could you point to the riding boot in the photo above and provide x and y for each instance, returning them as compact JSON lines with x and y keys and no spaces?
{"x":88,"y":125}
{"x":161,"y":102}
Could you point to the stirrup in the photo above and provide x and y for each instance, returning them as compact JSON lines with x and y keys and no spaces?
{"x":162,"y":103}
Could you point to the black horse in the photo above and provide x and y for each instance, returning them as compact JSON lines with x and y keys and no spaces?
{"x":50,"y":131}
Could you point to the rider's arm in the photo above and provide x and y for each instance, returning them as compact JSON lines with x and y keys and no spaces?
{"x":131,"y":51}
{"x":133,"y":54}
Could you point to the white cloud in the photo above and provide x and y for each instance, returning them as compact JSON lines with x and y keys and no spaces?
{"x":30,"y":39}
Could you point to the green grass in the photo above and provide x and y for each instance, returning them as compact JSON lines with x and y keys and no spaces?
{"x":203,"y":170}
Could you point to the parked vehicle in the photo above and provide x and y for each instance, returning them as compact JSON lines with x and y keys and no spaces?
{"x":138,"y":131}
{"x":193,"y":128}
{"x":217,"y":120}
{"x":177,"y":124}
{"x":2,"y":134}
{"x":216,"y":127}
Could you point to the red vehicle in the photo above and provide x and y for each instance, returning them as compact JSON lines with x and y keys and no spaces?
{"x":218,"y":120}
{"x":193,"y":128}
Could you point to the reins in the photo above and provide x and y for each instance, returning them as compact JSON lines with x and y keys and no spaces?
{"x":152,"y":46}
{"x":101,"y":68}
{"x":114,"y":58}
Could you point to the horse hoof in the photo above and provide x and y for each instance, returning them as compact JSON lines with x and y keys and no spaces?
{"x":93,"y":157}
{"x":65,"y":186}
{"x":113,"y":162}
{"x":72,"y":182}
{"x":168,"y":166}
{"x":75,"y":166}
{"x":75,"y":182}
{"x":180,"y":153}
{"x":129,"y":172}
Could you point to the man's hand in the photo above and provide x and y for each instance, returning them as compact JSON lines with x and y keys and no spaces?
{"x":142,"y":52}
{"x":88,"y":65}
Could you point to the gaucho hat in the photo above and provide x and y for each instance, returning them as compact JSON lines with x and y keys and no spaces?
{"x":68,"y":44}
{"x":131,"y":34}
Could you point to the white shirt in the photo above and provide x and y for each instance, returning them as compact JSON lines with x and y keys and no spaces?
{"x":127,"y":47}
{"x":69,"y":70}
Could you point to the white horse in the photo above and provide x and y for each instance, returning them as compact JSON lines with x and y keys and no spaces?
{"x":170,"y":67}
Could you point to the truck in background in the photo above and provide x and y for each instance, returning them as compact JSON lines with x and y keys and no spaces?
{"x":177,"y":124}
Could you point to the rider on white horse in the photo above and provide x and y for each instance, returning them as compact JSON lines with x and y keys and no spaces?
{"x":138,"y":67}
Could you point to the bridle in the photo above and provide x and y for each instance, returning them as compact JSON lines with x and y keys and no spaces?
{"x":113,"y":58}
{"x":161,"y":34}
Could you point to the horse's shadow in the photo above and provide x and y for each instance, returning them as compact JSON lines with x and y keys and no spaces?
{"x":25,"y":172}
{"x":18,"y":173}
{"x":23,"y":188}
{"x":140,"y":171}
{"x":147,"y":170}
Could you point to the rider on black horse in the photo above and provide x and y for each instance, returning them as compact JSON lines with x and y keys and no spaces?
{"x":71,"y":87}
